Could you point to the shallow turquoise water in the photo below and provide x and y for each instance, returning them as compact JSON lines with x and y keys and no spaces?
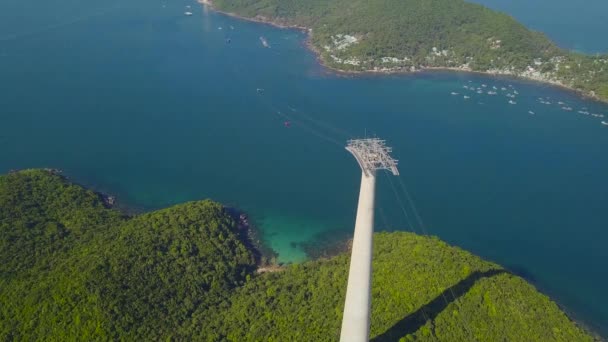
{"x":140,"y":101}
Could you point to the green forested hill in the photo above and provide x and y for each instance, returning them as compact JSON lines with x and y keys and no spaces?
{"x":183,"y":273}
{"x":105,"y":276}
{"x":406,"y":35}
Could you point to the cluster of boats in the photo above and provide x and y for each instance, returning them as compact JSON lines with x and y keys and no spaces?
{"x":567,"y":108}
{"x":489,"y":90}
{"x":585,"y":112}
{"x":511,"y":93}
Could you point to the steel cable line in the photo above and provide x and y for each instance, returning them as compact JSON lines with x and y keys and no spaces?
{"x":310,"y":129}
{"x":336,"y":130}
{"x":407,"y":216}
{"x":426,"y":232}
{"x":385,"y":221}
{"x":327,"y":138}
{"x":402,"y":205}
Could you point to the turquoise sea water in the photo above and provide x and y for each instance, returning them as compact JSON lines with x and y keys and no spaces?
{"x":138,"y":100}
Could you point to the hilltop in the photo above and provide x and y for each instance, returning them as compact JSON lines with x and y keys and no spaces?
{"x":72,"y":268}
{"x":410,"y":35}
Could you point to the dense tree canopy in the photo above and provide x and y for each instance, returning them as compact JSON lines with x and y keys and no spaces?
{"x":185,"y":273}
{"x":104,"y":275}
{"x":422,"y":290}
{"x":41,"y":214}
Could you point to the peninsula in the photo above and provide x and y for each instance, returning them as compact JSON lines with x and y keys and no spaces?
{"x":73,"y":268}
{"x":394,"y":36}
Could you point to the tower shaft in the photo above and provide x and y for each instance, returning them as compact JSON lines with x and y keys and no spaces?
{"x":371,"y":155}
{"x":356,"y":320}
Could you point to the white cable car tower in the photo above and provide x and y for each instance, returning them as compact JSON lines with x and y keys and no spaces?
{"x":372,"y":155}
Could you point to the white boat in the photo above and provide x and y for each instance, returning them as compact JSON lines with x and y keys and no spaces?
{"x":491,"y":93}
{"x":466,"y":97}
{"x":454,"y":93}
{"x":503,"y":88}
{"x":567,"y":108}
{"x":512,"y":102}
{"x":264,"y":42}
{"x":515,"y":92}
{"x":604,"y":123}
{"x":484,"y":85}
{"x":530,"y":112}
{"x":560,"y":103}
{"x":188,"y":13}
{"x":480,"y":92}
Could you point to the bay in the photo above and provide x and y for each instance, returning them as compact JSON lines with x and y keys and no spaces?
{"x":141,"y":101}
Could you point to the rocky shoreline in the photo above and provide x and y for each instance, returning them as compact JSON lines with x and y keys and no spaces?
{"x":249,"y":234}
{"x":257,"y":19}
{"x":400,"y":70}
{"x":581,"y":93}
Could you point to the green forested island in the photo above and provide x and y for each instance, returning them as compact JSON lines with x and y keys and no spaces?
{"x":411,"y":35}
{"x":71,"y":268}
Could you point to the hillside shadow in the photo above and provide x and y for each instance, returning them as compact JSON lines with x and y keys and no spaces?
{"x":429,"y":311}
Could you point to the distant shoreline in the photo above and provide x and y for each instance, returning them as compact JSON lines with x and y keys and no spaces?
{"x":308,"y":42}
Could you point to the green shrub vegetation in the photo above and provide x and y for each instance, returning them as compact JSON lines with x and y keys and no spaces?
{"x":418,"y":32}
{"x":185,"y":273}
